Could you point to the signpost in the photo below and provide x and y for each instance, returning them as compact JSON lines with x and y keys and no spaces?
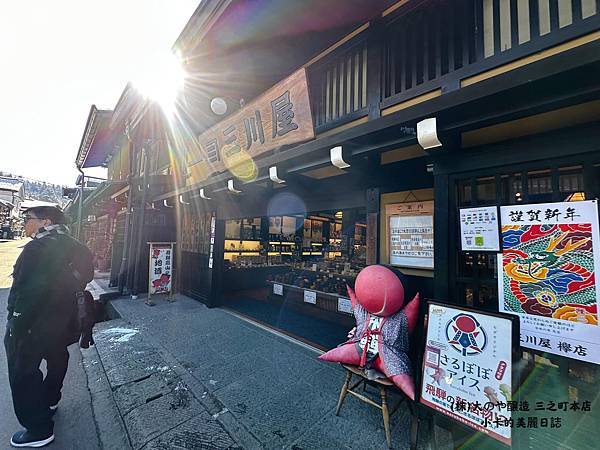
{"x":467,"y":368}
{"x":160,"y":270}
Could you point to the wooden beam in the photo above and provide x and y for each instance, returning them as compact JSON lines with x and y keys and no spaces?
{"x":339,"y":43}
{"x":413,"y":101}
{"x":531,"y":59}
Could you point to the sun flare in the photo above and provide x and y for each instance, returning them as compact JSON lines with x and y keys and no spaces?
{"x":160,"y":78}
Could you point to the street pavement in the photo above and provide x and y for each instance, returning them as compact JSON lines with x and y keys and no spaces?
{"x":186,"y":376}
{"x":74,"y":422}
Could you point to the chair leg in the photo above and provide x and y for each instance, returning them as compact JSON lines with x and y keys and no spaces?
{"x":414,"y":432}
{"x":386,"y":417}
{"x":343,"y":392}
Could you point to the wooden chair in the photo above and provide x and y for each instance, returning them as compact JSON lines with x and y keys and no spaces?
{"x":382,"y":384}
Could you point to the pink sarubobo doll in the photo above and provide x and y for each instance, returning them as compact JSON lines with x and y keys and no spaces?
{"x":380,"y":343}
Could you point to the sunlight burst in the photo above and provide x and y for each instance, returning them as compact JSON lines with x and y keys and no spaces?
{"x":160,"y":78}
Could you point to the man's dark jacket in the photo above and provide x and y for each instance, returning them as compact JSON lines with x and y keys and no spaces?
{"x":42,"y":301}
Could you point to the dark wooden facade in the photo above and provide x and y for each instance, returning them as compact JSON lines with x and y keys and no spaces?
{"x":515,"y":88}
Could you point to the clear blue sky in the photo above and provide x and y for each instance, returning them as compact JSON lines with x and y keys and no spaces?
{"x":60,"y":57}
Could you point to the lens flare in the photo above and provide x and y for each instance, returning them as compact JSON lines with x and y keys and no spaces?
{"x":160,"y":79}
{"x":239,"y":162}
{"x":285,"y":203}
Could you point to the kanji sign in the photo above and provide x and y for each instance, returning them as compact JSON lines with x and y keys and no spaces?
{"x":467,"y":368}
{"x":411,"y":234}
{"x":547,"y":276}
{"x":160,"y":268}
{"x":479,"y":229}
{"x":280,"y":116}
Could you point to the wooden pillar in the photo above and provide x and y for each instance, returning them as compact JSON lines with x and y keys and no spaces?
{"x":373,"y":202}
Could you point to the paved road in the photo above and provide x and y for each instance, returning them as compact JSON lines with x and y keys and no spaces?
{"x":74,"y":422}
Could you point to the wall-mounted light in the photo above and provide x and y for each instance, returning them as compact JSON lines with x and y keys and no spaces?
{"x":427,"y":133}
{"x":182,"y":201}
{"x":203,"y":195}
{"x":166,"y":204}
{"x":273,"y":175}
{"x":218,"y":105}
{"x":231,"y":188}
{"x":337,"y":158}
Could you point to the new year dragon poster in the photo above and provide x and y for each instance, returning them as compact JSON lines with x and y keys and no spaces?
{"x":547,"y":276}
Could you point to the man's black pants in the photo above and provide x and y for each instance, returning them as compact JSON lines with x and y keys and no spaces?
{"x":31,"y":393}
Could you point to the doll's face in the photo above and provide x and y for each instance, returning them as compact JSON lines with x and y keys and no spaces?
{"x":379,"y":290}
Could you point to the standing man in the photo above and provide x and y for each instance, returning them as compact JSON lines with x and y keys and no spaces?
{"x":42,"y":312}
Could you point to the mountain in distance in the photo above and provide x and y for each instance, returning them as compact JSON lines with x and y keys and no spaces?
{"x":40,"y":190}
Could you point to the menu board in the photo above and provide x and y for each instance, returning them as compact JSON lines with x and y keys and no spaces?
{"x":479,"y":229}
{"x":467,"y":366}
{"x":411,"y":234}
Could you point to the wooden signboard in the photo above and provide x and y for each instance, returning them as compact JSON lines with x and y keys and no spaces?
{"x":280,"y":116}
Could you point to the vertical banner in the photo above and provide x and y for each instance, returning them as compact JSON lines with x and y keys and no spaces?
{"x":211,"y":251}
{"x":467,"y":367}
{"x":160,"y":268}
{"x":546,"y":276}
{"x":411,"y":234}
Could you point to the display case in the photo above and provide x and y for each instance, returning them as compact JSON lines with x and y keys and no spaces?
{"x":321,"y":252}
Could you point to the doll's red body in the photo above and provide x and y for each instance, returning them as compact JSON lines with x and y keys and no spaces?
{"x":382,"y":328}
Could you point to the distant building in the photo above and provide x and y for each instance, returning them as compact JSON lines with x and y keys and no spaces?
{"x":12,"y":194}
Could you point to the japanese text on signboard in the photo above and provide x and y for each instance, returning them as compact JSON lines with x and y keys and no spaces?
{"x":467,"y":360}
{"x":161,"y":268}
{"x":278,"y":117}
{"x":547,"y":276}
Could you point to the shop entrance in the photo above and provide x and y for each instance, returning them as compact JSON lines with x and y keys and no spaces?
{"x":542,"y":376}
{"x":291,"y":271}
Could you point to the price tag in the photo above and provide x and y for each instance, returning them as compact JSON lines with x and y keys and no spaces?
{"x":344,"y":305}
{"x":310,"y":297}
{"x":277,"y":289}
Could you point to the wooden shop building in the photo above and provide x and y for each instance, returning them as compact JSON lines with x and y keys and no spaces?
{"x":355,"y":131}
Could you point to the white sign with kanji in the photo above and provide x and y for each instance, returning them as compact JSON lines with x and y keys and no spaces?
{"x":160,"y":268}
{"x":344,"y":305}
{"x":310,"y":297}
{"x":467,"y":369}
{"x":479,"y":229}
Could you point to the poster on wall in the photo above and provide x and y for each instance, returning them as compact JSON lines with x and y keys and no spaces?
{"x":411,"y":234}
{"x":467,"y":365}
{"x":275,"y":225}
{"x":547,"y":276}
{"x":288,"y":226}
{"x":160,"y":268}
{"x":479,"y":229}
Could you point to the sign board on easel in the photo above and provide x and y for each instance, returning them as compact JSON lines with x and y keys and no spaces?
{"x":467,"y":367}
{"x":160,"y":270}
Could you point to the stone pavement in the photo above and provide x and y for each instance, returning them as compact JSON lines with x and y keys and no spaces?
{"x":186,"y":376}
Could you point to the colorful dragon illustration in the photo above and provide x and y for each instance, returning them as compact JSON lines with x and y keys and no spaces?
{"x":549,"y":271}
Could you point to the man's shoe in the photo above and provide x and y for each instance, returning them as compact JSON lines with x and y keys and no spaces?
{"x":28,"y":439}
